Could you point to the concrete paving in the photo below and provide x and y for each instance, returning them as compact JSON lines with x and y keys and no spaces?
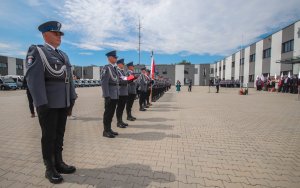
{"x":196,"y":139}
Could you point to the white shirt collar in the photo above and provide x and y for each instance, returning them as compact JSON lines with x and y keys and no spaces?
{"x":50,"y":46}
{"x":113,"y":65}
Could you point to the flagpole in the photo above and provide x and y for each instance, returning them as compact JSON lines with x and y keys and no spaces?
{"x":151,"y":77}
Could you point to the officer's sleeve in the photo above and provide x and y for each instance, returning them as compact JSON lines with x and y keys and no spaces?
{"x":105,"y":82}
{"x":73,"y":94}
{"x":35,"y":77}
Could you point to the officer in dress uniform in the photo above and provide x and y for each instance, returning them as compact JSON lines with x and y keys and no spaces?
{"x":147,"y":101}
{"x":123,"y":94}
{"x":49,"y":80}
{"x":143,"y":83}
{"x":131,"y":92}
{"x":110,"y":92}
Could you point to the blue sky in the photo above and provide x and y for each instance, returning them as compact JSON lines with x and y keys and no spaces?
{"x":199,"y":31}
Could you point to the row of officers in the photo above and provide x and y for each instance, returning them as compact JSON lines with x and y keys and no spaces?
{"x":50,"y":83}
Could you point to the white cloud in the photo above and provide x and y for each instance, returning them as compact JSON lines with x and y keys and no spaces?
{"x":12,"y":50}
{"x":85,"y":53}
{"x":172,"y":26}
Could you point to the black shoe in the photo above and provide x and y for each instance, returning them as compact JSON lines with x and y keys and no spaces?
{"x":114,"y":133}
{"x":130,"y":119}
{"x":126,"y":124}
{"x":63,"y":168}
{"x":147,"y":106}
{"x":108,"y":134}
{"x":142,"y":109}
{"x":53,"y":176}
{"x":121,"y":125}
{"x":133,"y":117}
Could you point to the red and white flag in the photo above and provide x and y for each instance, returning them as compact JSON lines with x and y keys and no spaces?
{"x":152,"y":74}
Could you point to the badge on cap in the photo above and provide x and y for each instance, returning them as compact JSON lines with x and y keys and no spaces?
{"x":58,"y":25}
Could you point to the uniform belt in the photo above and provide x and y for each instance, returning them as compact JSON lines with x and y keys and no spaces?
{"x":113,"y":84}
{"x":122,"y":84}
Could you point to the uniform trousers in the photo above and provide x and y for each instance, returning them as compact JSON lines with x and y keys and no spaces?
{"x":147,"y":102}
{"x":120,"y":107}
{"x":129,"y":104}
{"x":143,"y":96}
{"x":53,"y":124}
{"x":109,"y":110}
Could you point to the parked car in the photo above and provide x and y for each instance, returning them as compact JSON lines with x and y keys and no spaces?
{"x":85,"y":83}
{"x":93,"y":83}
{"x":17,"y":79}
{"x":7,"y":84}
{"x":98,"y":82}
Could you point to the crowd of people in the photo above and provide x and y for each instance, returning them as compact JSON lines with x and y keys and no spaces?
{"x":285,"y":84}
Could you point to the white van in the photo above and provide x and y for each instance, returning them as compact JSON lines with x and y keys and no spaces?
{"x":18,"y":79}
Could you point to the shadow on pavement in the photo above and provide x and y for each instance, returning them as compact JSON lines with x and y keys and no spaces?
{"x":154,"y":119}
{"x":156,"y":126}
{"x":144,"y":136}
{"x":121,"y":176}
{"x":86,"y":119}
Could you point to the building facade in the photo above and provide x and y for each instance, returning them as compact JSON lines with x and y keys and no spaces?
{"x":12,"y":66}
{"x":277,"y":54}
{"x":87,"y":72}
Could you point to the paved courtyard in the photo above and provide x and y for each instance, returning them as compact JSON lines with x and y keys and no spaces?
{"x":196,"y":139}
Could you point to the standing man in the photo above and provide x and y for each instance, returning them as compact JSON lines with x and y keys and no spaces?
{"x":190,"y":86}
{"x":217,"y":83}
{"x":131,"y":92}
{"x":110,"y":92}
{"x":147,"y":101}
{"x":123,"y":94}
{"x":143,"y":87}
{"x":49,"y":80}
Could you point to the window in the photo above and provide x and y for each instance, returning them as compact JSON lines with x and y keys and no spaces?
{"x":251,"y":78}
{"x":223,"y":67}
{"x":186,"y":72}
{"x":19,"y":67}
{"x":267,"y":53}
{"x":242,"y":61}
{"x":252,"y":58}
{"x":233,"y":64}
{"x":287,"y":46}
{"x":232,"y":78}
{"x":204,"y":72}
{"x":211,"y":70}
{"x":220,"y":68}
{"x":216,"y":70}
{"x":137,"y":71}
{"x":3,"y":65}
{"x":165,"y":71}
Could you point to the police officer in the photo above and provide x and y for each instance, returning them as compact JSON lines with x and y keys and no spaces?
{"x":123,"y":93}
{"x":131,"y":92}
{"x":147,"y":101}
{"x":110,"y":92}
{"x":49,"y":80}
{"x":143,"y":88}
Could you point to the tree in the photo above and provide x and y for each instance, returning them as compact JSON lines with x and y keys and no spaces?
{"x":184,"y":62}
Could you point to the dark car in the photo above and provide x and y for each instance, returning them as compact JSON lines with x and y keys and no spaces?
{"x":7,"y":84}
